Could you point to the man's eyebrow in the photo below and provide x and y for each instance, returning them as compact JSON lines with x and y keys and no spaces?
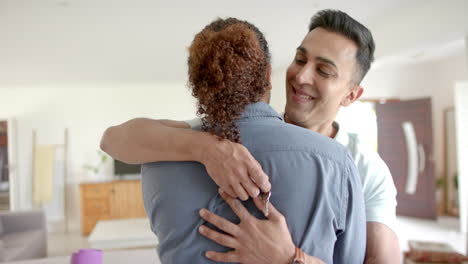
{"x":320,"y":58}
{"x":327,"y":61}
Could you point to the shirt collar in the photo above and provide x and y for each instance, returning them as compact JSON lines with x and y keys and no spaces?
{"x":259,"y":109}
{"x":340,"y":136}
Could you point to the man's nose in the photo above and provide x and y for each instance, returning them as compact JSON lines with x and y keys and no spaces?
{"x":305,"y":75}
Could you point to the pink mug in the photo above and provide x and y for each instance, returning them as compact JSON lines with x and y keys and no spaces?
{"x":87,"y":256}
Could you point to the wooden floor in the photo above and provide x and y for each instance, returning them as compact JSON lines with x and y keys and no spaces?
{"x":64,"y":244}
{"x":445,"y":229}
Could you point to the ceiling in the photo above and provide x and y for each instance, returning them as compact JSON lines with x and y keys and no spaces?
{"x":429,"y":54}
{"x":141,"y":41}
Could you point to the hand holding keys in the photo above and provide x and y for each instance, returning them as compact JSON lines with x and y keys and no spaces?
{"x":265,"y":197}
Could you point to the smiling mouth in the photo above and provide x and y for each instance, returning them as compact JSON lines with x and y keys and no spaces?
{"x":301,"y":95}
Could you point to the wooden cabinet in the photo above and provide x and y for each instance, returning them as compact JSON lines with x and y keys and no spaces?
{"x":110,"y":200}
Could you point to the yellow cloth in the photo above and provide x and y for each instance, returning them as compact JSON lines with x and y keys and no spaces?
{"x":43,"y":173}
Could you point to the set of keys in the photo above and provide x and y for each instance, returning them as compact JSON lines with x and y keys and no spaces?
{"x":265,"y":196}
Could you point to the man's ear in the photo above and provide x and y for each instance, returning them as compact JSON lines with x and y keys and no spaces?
{"x":353,"y":95}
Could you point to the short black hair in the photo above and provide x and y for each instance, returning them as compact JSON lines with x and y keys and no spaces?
{"x":339,"y":22}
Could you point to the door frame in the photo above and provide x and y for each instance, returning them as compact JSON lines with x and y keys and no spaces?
{"x":12,"y":162}
{"x":460,"y":93}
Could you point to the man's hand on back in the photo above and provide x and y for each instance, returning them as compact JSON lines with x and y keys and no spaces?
{"x":252,"y":240}
{"x":234,"y":169}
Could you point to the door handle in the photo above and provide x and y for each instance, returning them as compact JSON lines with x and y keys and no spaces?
{"x":412,"y":151}
{"x":422,"y":158}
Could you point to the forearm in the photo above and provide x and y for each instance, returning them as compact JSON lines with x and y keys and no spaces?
{"x":144,"y":140}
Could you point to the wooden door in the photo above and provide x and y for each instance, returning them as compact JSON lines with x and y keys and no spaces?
{"x":405,"y":144}
{"x":127,"y":200}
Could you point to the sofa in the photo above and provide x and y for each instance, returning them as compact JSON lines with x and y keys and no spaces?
{"x":23,"y":235}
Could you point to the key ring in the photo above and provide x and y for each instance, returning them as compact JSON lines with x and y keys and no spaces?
{"x":265,"y":197}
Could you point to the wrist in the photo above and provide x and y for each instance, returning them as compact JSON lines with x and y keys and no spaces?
{"x":203,"y":145}
{"x":290,"y":254}
{"x":299,"y":257}
{"x":313,"y":260}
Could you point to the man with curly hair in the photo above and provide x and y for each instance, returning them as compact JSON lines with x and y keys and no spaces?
{"x":325,"y":74}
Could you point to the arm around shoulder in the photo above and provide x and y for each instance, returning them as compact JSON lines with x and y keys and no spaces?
{"x":229,"y":164}
{"x":143,"y":140}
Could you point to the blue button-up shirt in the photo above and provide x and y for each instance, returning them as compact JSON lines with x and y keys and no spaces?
{"x":315,"y":185}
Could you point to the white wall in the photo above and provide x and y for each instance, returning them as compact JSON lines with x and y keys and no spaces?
{"x":419,"y":25}
{"x":278,"y":92}
{"x":450,"y":72}
{"x":86,"y":111}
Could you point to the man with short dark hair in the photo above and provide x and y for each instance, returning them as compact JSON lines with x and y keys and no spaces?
{"x":325,"y":74}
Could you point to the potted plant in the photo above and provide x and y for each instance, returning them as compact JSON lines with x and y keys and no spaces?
{"x":96,"y":170}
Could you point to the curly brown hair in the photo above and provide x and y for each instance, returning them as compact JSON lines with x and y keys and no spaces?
{"x":228,"y":64}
